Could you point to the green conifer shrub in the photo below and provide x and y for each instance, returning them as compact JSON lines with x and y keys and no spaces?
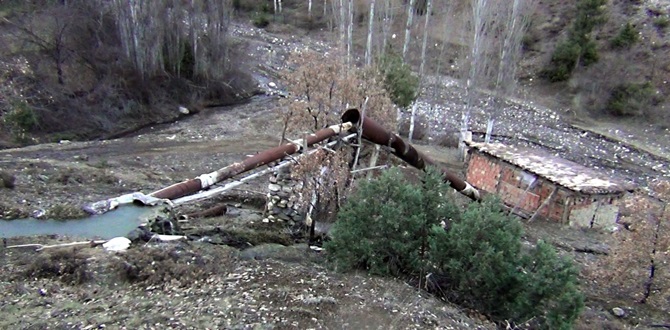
{"x":579,"y":48}
{"x":383,"y":227}
{"x":391,"y":227}
{"x":399,"y":80}
{"x":626,"y":38}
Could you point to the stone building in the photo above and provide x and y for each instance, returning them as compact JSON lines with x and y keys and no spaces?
{"x":537,"y":184}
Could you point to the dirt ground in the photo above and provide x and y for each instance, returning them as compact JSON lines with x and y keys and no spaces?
{"x":201,"y":283}
{"x":204,"y":283}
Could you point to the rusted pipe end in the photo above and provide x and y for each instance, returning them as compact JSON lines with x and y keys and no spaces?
{"x":352,"y":115}
{"x":375,"y":133}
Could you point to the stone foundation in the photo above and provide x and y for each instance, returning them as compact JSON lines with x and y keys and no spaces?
{"x":283,"y":199}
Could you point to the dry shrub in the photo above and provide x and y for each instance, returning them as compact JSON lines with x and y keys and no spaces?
{"x":7,"y":179}
{"x":638,"y":266}
{"x":321,"y":88}
{"x":164,"y":265}
{"x":420,"y":127}
{"x":325,"y":176}
{"x":448,"y":140}
{"x":68,"y":265}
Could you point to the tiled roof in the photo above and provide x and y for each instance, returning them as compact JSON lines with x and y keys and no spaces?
{"x":555,"y":169}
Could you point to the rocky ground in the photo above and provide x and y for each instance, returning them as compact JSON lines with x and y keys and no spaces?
{"x":203,"y":283}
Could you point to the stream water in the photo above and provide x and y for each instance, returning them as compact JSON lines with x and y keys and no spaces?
{"x":115,"y":223}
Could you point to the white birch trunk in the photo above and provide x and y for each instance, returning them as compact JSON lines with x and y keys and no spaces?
{"x":387,"y":21}
{"x":309,"y":9}
{"x":368,"y":49}
{"x":350,"y":32}
{"x":343,"y":32}
{"x":410,"y":16}
{"x":412,"y":120}
{"x":429,"y":8}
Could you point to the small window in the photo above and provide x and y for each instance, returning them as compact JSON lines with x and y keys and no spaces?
{"x":527,"y":180}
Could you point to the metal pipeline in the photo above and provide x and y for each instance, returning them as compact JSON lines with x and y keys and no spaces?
{"x":375,"y":133}
{"x":204,"y":181}
{"x":215,"y":211}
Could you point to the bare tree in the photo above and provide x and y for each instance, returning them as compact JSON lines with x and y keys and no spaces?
{"x":387,"y":23}
{"x":343,"y":26}
{"x":155,"y":33}
{"x":509,"y":54}
{"x":368,"y":49}
{"x":412,"y":121}
{"x":350,"y":32}
{"x":408,"y":28}
{"x":309,"y":9}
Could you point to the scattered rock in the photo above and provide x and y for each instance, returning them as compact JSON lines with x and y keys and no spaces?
{"x":8,"y":180}
{"x":618,"y":312}
{"x":319,"y":300}
{"x":183,"y":110}
{"x":139,"y":234}
{"x":117,"y":244}
{"x":274,"y":187}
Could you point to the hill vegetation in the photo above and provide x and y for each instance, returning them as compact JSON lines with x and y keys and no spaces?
{"x":67,"y":74}
{"x":83,"y":69}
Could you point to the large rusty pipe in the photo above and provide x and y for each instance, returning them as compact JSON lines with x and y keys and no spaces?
{"x":375,"y":133}
{"x":204,"y":181}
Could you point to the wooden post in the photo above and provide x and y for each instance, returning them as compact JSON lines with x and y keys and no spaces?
{"x":544,"y":204}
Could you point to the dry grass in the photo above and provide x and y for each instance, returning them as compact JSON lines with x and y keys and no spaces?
{"x":68,"y":265}
{"x":163,"y":265}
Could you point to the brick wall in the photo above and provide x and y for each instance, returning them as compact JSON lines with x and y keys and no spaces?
{"x":526,"y":192}
{"x":483,"y":172}
{"x":511,"y":184}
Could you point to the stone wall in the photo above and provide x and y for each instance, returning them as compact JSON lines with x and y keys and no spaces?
{"x":283,"y":204}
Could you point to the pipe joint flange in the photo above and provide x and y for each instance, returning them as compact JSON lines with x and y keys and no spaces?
{"x":206,"y":180}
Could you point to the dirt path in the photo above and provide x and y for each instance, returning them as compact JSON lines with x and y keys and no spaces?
{"x":76,"y":173}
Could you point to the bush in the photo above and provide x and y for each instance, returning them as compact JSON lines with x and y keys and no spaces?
{"x":630,"y":99}
{"x":68,"y":265}
{"x":383,"y":228}
{"x":626,"y":37}
{"x":478,"y":254}
{"x":448,"y":140}
{"x":661,"y":23}
{"x":390,"y":227}
{"x":399,"y":80}
{"x":579,"y":48}
{"x":165,"y":266}
{"x":482,"y":260}
{"x":261,"y":20}
{"x":550,"y":293}
{"x":563,"y":61}
{"x":22,"y":117}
